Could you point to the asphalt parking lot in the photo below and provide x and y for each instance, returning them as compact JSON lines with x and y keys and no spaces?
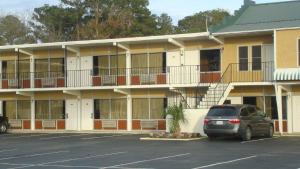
{"x":110,"y":151}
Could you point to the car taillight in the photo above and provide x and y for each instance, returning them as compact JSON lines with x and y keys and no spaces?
{"x":206,"y":121}
{"x":234,"y":121}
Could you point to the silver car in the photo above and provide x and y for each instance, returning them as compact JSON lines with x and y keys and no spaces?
{"x":244,"y":121}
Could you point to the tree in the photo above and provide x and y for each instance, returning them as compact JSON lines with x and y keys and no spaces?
{"x":54,"y":23}
{"x":164,"y":24}
{"x":14,"y":31}
{"x":197,"y":22}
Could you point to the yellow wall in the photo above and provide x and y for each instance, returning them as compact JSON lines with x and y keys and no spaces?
{"x":230,"y":52}
{"x":252,"y":91}
{"x":287,"y":45}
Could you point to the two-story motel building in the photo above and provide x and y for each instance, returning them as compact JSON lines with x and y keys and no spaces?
{"x":125,"y":84}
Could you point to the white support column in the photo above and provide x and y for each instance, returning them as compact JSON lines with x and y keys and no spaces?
{"x":32,"y":112}
{"x":1,"y":108}
{"x":128,"y":68}
{"x":278,"y":91}
{"x":79,"y":112}
{"x":290,"y":112}
{"x":129,"y":113}
{"x":32,"y":73}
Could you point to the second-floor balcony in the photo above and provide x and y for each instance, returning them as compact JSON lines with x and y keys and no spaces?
{"x":172,"y":75}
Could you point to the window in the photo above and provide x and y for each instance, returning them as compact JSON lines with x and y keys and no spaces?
{"x":49,"y":67}
{"x":148,"y":108}
{"x":222,"y":111}
{"x":148,"y":63}
{"x":256,"y":57}
{"x":9,"y":69}
{"x":17,"y":109}
{"x":109,"y":65}
{"x":243,"y":58}
{"x":50,"y":109}
{"x":110,"y":109}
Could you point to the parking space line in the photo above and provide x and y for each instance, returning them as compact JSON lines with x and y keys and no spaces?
{"x":33,"y":155}
{"x":142,"y":161}
{"x":24,"y":136}
{"x":91,"y":138}
{"x":68,"y":160}
{"x":64,"y":136}
{"x":7,"y":150}
{"x":243,"y":142}
{"x":225,"y":162}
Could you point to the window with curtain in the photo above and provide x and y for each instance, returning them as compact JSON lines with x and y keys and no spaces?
{"x":148,"y":63}
{"x":148,"y":108}
{"x":10,"y":109}
{"x":42,"y":109}
{"x":17,"y":109}
{"x":49,"y":67}
{"x":57,"y":67}
{"x":9,"y":69}
{"x":23,"y":109}
{"x":24,"y":69}
{"x":256,"y":57}
{"x":109,"y":65}
{"x":243,"y":58}
{"x":50,"y":109}
{"x":110,"y":109}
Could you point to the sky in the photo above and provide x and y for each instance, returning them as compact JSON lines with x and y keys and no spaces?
{"x":177,"y":9}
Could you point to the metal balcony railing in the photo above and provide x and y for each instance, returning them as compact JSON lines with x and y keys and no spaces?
{"x":197,"y":75}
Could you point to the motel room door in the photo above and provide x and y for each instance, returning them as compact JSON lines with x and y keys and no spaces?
{"x":72,"y":114}
{"x":87,"y":114}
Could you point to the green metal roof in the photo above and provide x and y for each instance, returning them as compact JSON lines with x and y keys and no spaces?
{"x":257,"y":17}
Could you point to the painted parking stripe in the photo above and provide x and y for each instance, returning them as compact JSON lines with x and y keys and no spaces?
{"x":142,"y":161}
{"x":91,"y":138}
{"x":64,"y":136}
{"x":24,"y":136}
{"x":243,"y":142}
{"x":33,"y":155}
{"x":7,"y":150}
{"x":68,"y":160}
{"x":225,"y":162}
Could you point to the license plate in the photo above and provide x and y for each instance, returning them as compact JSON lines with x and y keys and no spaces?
{"x":219,"y":122}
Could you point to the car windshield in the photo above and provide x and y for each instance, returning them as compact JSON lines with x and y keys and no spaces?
{"x":222,"y":111}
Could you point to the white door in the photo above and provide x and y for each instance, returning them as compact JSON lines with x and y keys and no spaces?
{"x":296,"y":114}
{"x":86,"y":67}
{"x":71,"y":115}
{"x":87,"y":114}
{"x":72,"y":72}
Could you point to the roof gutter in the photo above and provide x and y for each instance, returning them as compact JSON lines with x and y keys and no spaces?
{"x":212,"y":37}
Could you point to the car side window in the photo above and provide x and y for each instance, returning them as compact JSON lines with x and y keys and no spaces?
{"x":251,"y":110}
{"x":244,"y":112}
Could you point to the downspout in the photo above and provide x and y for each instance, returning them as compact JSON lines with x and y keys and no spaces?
{"x":212,"y":37}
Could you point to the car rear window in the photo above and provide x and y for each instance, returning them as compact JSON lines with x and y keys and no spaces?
{"x":222,"y":111}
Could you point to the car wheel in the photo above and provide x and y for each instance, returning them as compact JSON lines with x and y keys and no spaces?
{"x":247,"y":135}
{"x":270,"y":132}
{"x":3,"y":128}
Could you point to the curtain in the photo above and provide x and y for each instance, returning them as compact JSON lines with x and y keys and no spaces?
{"x":41,"y":68}
{"x":104,"y":109}
{"x":23,"y":109}
{"x":42,"y":109}
{"x":24,"y":69}
{"x":139,"y":64}
{"x":57,"y":67}
{"x":140,"y":108}
{"x":118,"y":109}
{"x":156,"y":63}
{"x":10,"y":109}
{"x":57,"y":109}
{"x":156,"y":108}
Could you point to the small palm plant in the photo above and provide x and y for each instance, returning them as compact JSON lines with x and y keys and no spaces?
{"x":177,"y":117}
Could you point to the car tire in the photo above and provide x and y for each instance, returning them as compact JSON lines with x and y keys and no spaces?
{"x":3,"y":128}
{"x":247,"y":135}
{"x":270,"y":132}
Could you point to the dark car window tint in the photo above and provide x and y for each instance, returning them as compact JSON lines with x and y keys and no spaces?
{"x":252,"y":111}
{"x":222,"y":111}
{"x":244,"y":112}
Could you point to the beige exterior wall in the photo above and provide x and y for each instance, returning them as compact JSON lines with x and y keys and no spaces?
{"x":230,"y":52}
{"x":287,"y":48}
{"x":252,"y":91}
